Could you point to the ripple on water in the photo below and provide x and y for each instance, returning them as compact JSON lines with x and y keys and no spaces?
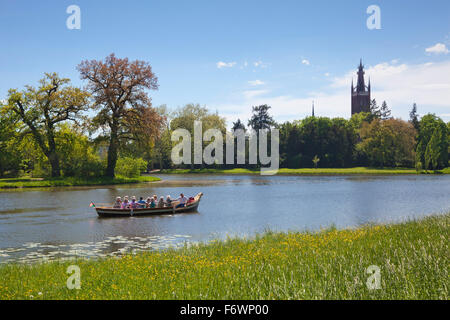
{"x":34,"y":252}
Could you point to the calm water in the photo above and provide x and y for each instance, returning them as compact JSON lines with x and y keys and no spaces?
{"x":58,"y":223}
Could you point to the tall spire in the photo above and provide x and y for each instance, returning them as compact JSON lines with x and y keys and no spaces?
{"x":313,"y":108}
{"x":361,"y":94}
{"x":361,"y":86}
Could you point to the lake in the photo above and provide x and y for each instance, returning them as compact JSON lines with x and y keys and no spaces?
{"x":57,"y":223}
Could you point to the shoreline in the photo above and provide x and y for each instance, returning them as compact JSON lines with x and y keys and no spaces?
{"x":31,"y":183}
{"x":330,"y":264}
{"x":308,"y":171}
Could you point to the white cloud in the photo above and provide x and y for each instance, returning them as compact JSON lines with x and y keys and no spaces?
{"x":401,"y":85}
{"x":222,"y":64}
{"x":256,"y":83}
{"x":260,"y":64}
{"x":327,"y":74}
{"x":438,"y":48}
{"x":306,"y":62}
{"x":250,"y":94}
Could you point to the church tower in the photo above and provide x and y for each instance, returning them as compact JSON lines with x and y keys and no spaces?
{"x":360,"y":94}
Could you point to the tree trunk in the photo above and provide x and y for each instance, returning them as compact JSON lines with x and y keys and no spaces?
{"x":54,"y":162}
{"x":53,"y":157}
{"x":112,"y":154}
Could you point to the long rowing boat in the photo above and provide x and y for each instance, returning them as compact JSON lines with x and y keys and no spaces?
{"x":108,"y":211}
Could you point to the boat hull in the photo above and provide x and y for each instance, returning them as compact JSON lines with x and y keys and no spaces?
{"x":115,"y":212}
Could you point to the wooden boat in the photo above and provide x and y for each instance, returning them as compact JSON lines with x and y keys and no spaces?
{"x":109,"y":211}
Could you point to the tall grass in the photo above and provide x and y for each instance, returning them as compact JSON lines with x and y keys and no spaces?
{"x":413,"y":258}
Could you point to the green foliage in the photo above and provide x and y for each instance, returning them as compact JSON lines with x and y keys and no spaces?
{"x":414,"y":117}
{"x":375,"y":112}
{"x":332,"y":140}
{"x":433,"y":144}
{"x":388,"y":143}
{"x":10,"y":152}
{"x":316,"y":161}
{"x":130,"y":167}
{"x":385,"y":112}
{"x":184,"y":118}
{"x":261,"y":119}
{"x":26,"y":182}
{"x":40,"y":110}
{"x":77,"y":154}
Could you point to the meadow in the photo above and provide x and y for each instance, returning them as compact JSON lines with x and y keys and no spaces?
{"x":309,"y":171}
{"x":413,"y":259}
{"x":26,"y":182}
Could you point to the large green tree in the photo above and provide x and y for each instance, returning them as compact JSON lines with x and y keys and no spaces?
{"x":432,"y":147}
{"x":388,"y":142}
{"x":184,"y":118}
{"x":124,"y":109}
{"x":261,"y":119}
{"x":331,"y":140}
{"x":41,"y":110}
{"x":10,"y":152}
{"x":414,"y":117}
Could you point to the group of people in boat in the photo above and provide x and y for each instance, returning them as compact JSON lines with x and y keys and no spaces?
{"x":151,"y":202}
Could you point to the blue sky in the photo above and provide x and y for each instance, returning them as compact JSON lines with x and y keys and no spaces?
{"x":230,"y":55}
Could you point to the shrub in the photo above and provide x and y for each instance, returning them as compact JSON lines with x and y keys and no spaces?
{"x":130,"y":167}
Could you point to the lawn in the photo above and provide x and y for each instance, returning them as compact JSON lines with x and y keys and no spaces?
{"x":306,"y":171}
{"x":70,"y":181}
{"x":412,"y":257}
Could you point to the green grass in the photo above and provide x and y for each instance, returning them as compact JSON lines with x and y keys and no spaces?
{"x":305,"y":171}
{"x":413,"y":258}
{"x":70,"y":181}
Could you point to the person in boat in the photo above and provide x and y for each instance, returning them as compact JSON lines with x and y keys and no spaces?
{"x":141,"y":202}
{"x":161,"y":202}
{"x":155,"y":197}
{"x":168,"y":201}
{"x":133,"y":204}
{"x":152,"y":203}
{"x":191,"y":199}
{"x":125,"y":203}
{"x":118,"y":203}
{"x":183,"y":200}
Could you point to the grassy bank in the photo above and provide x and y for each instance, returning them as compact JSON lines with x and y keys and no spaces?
{"x":70,"y":181}
{"x":307,"y":171}
{"x":413,"y":258}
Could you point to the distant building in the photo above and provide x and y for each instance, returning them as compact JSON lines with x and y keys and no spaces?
{"x":360,"y":94}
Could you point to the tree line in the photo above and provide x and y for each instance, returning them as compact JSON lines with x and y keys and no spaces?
{"x":110,"y":127}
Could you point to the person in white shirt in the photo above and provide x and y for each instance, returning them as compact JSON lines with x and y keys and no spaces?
{"x":183,"y":200}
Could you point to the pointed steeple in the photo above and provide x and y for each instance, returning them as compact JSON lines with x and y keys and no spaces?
{"x":313,"y":108}
{"x":361,"y":86}
{"x":361,"y":94}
